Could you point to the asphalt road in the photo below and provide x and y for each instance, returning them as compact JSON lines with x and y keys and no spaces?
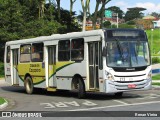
{"x":68,"y":101}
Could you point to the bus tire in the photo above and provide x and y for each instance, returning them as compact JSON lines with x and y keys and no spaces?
{"x":81,"y":89}
{"x":119,"y":94}
{"x":28,"y":85}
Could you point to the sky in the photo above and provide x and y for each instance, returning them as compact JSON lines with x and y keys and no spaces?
{"x":150,"y":5}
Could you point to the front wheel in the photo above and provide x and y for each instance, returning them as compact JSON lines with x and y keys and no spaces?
{"x":28,"y":85}
{"x":119,"y":94}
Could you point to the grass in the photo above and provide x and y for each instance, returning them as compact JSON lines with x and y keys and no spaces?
{"x":1,"y":69}
{"x":156,"y":83}
{"x":156,"y":77}
{"x":2,"y":101}
{"x":156,"y":39}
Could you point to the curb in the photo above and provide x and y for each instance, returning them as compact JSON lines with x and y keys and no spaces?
{"x":4,"y":105}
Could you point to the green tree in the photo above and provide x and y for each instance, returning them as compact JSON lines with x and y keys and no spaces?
{"x":80,"y":16}
{"x":59,"y":8}
{"x":11,"y":19}
{"x":107,"y":24}
{"x":71,"y":6}
{"x":41,"y":7}
{"x":116,"y":9}
{"x":155,"y":14}
{"x":85,"y":5}
{"x":21,"y":19}
{"x":11,"y":22}
{"x":134,"y":13}
{"x":101,"y":11}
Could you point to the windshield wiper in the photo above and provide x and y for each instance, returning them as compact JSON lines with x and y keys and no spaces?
{"x":120,"y":49}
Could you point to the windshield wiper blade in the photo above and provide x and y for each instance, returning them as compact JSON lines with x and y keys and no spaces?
{"x":120,"y":49}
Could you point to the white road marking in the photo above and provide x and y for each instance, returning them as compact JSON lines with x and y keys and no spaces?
{"x":67,"y":104}
{"x":124,"y":103}
{"x":89,"y":103}
{"x":112,"y":106}
{"x":60,"y":104}
{"x":73,"y":103}
{"x":149,"y":96}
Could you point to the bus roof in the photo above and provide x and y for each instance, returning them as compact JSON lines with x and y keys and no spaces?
{"x":57,"y":37}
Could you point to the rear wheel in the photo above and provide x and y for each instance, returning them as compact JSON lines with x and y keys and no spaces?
{"x":81,"y":89}
{"x":28,"y":85}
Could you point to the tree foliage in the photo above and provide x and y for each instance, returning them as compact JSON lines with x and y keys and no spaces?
{"x":134,"y":13}
{"x":106,"y":24}
{"x":85,"y":6}
{"x":99,"y":13}
{"x":116,"y":9}
{"x":21,"y":19}
{"x":155,"y":14}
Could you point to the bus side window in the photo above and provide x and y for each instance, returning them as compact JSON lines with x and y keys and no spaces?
{"x":77,"y":50}
{"x":8,"y":54}
{"x":37,"y":52}
{"x":25,"y":51}
{"x":64,"y":50}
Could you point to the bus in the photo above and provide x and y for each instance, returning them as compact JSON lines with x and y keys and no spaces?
{"x":104,"y":60}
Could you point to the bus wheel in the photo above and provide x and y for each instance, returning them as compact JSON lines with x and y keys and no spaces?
{"x":119,"y":94}
{"x":81,"y":89}
{"x":28,"y":85}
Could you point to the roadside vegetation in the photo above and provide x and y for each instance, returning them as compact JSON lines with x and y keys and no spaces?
{"x":2,"y":101}
{"x":157,"y":83}
{"x":156,"y":41}
{"x":1,"y":69}
{"x":156,"y":77}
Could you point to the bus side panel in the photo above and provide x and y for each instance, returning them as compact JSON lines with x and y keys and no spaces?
{"x":101,"y":81}
{"x":8,"y":73}
{"x":35,"y":70}
{"x":7,"y":67}
{"x":66,"y":71}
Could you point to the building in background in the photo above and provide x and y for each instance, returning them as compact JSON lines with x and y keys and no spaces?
{"x":147,"y":22}
{"x":156,"y":24}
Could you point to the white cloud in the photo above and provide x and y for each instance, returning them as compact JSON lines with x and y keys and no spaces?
{"x":151,"y":7}
{"x":122,"y":4}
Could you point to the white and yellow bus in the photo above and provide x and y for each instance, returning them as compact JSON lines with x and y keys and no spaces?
{"x":105,"y":60}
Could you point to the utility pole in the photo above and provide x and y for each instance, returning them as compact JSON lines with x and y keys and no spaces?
{"x":117,"y":20}
{"x":152,"y":41}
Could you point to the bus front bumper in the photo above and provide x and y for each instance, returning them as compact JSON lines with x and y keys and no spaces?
{"x":118,"y":86}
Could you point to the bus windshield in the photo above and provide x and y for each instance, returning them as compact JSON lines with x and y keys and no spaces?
{"x":132,"y":53}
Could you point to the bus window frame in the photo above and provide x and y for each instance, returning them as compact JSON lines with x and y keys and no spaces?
{"x":22,"y":45}
{"x":37,"y":60}
{"x":80,"y":49}
{"x":68,"y":50}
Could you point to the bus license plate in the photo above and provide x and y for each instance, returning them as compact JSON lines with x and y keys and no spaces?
{"x":131,"y":86}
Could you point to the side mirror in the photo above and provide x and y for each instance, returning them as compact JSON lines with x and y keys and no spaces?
{"x":104,"y":51}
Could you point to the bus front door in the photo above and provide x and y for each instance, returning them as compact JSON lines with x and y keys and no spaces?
{"x":52,"y":66}
{"x":15,"y":66}
{"x":93,"y":49}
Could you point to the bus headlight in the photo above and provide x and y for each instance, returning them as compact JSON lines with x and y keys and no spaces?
{"x":109,"y":76}
{"x":149,"y":75}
